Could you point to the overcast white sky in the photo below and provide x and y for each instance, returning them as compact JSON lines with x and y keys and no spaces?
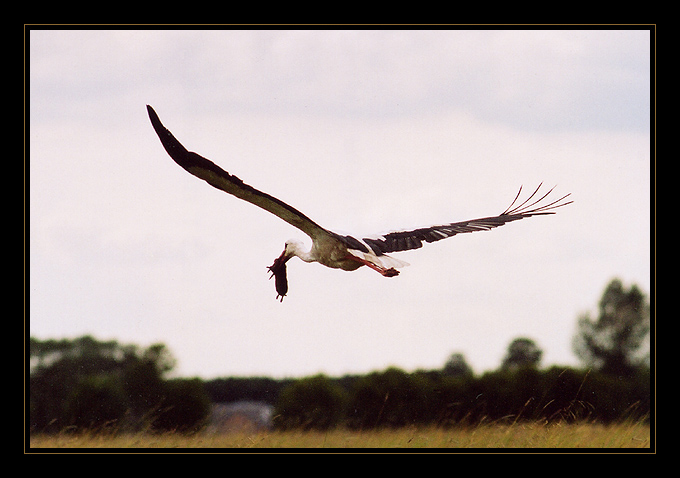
{"x":363,"y":131}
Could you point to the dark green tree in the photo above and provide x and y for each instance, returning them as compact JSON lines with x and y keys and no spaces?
{"x":391,"y":398}
{"x":184,"y":407}
{"x":615,"y":343}
{"x":522,"y":352}
{"x":312,"y":403}
{"x":87,"y":382}
{"x":96,"y":402}
{"x":142,"y":383}
{"x":456,"y":366}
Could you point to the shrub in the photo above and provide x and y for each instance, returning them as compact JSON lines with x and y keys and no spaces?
{"x":391,"y":398}
{"x":96,"y":402}
{"x":315,"y":403}
{"x":185,"y":406}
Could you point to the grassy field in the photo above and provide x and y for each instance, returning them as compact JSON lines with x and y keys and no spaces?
{"x":631,"y":435}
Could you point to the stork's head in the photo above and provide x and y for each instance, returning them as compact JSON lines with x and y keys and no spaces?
{"x":293,"y":247}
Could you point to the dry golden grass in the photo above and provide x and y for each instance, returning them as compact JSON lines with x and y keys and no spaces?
{"x":520,"y":435}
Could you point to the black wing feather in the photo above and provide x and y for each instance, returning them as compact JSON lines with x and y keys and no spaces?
{"x":407,"y":240}
{"x":215,"y":176}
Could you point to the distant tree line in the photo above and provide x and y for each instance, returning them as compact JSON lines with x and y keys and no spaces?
{"x":394,"y":398}
{"x":88,"y":384}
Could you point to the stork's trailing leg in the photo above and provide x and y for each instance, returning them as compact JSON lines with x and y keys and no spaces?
{"x":391,"y":272}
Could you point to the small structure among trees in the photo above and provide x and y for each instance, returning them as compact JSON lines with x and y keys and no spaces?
{"x":244,"y":415}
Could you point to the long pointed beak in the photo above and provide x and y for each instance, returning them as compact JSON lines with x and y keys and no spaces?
{"x":279,"y":262}
{"x":283,"y":258}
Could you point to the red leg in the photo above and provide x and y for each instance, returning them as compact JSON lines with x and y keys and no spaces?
{"x":391,"y":272}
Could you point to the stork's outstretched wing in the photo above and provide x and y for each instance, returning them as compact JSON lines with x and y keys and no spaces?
{"x":406,"y":240}
{"x":390,"y":242}
{"x":219,"y":178}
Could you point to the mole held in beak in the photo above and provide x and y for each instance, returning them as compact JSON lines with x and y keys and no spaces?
{"x":278,"y":270}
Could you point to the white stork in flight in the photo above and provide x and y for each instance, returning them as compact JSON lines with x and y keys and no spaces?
{"x":330,"y":249}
